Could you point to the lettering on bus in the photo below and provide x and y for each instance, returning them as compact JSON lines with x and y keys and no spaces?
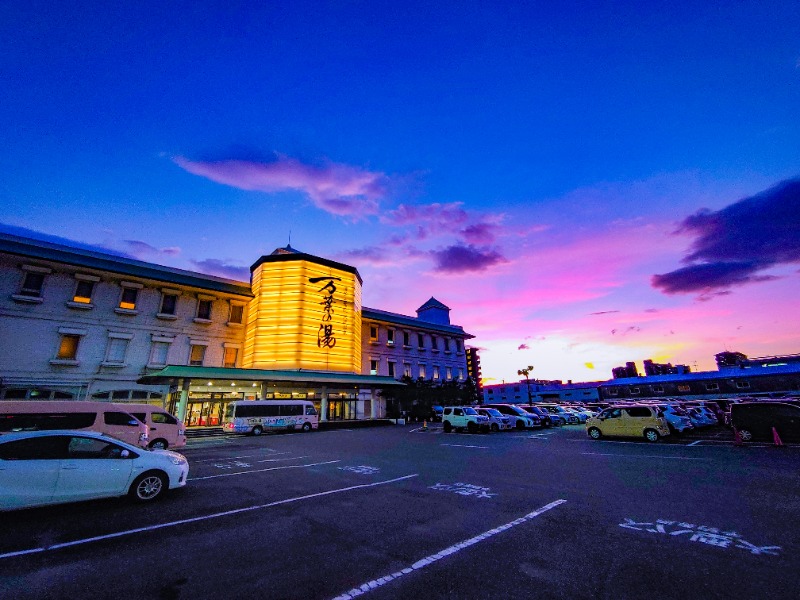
{"x":325,"y":334}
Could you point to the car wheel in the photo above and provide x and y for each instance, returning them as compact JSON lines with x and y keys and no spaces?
{"x":495,"y":427}
{"x":472,"y":427}
{"x":159,"y":444}
{"x":307,"y":427}
{"x":746,"y":435}
{"x":520,"y":424}
{"x":258,"y":430}
{"x":447,"y":427}
{"x":594,"y":433}
{"x":651,"y":435}
{"x":148,"y":486}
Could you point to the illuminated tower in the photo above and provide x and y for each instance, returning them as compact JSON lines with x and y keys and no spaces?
{"x":305,"y":314}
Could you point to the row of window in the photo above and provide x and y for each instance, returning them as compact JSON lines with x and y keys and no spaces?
{"x":32,"y":289}
{"x":118,"y":344}
{"x":659,"y":389}
{"x":391,"y":337}
{"x":422,"y":371}
{"x":21,"y":393}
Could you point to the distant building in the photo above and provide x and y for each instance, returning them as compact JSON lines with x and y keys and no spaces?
{"x":651,"y":368}
{"x":629,"y":370}
{"x":474,"y":368}
{"x":541,"y":391}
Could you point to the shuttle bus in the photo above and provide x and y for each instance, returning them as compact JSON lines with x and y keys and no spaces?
{"x":257,"y":416}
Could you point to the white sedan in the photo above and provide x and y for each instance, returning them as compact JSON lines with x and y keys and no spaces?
{"x":50,"y":467}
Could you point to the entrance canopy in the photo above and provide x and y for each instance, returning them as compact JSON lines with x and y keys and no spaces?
{"x":173,"y":373}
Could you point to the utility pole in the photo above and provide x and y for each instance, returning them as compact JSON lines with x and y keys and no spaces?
{"x":526,"y":372}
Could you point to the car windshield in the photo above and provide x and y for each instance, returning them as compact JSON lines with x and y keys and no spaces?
{"x":470,"y":411}
{"x":494,"y":412}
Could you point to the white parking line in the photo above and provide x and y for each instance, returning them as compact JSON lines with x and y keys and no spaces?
{"x":420,"y":564}
{"x":273,"y":453}
{"x":329,"y":462}
{"x":203,"y":518}
{"x":696,"y":443}
{"x":463,"y":446}
{"x":642,"y":456}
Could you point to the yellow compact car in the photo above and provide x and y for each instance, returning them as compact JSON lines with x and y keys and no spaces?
{"x":629,"y":421}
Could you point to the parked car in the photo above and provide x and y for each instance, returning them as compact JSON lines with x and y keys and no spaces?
{"x":437,"y":413}
{"x":569,"y":417}
{"x":755,"y":420}
{"x":463,"y":417}
{"x":497,"y":420}
{"x":629,"y":421}
{"x":38,"y":468}
{"x":556,"y":419}
{"x":544,"y":416}
{"x":582,"y":416}
{"x":166,"y":431}
{"x":677,"y":418}
{"x":700,"y":417}
{"x":520,"y":418}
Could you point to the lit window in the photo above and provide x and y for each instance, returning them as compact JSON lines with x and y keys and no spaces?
{"x":435,"y":372}
{"x":68,"y":347}
{"x":390,"y":336}
{"x":448,"y":373}
{"x":128,"y":299}
{"x":158,"y":353}
{"x":83,"y":292}
{"x":169,"y":304}
{"x":422,"y":373}
{"x":204,"y":310}
{"x":237,"y":314}
{"x":197,"y":354}
{"x":229,"y":360}
{"x":406,"y":370}
{"x":461,"y":374}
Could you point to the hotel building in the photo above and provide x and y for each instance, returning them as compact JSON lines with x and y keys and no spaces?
{"x":81,"y":324}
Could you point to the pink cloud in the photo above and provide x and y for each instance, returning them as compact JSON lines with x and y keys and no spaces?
{"x":335,"y":188}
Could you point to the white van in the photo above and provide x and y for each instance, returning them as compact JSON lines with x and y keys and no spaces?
{"x":257,"y":416}
{"x":75,"y":415}
{"x":165,"y":430}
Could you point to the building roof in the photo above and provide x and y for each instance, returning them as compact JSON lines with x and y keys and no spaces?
{"x":93,"y":259}
{"x":171,"y":373}
{"x":289,"y":254}
{"x":733,"y":373}
{"x":433,"y":303}
{"x":406,"y":321}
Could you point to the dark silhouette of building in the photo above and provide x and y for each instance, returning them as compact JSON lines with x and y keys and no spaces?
{"x":651,"y":368}
{"x":629,"y":370}
{"x":474,"y":368}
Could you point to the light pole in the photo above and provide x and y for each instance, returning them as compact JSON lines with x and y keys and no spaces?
{"x":526,"y":371}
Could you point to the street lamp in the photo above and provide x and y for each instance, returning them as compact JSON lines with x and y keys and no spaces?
{"x":526,"y":371}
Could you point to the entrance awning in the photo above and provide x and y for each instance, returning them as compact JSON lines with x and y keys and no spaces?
{"x":172,"y":373}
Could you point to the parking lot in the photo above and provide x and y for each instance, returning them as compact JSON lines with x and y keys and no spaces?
{"x":399,"y":512}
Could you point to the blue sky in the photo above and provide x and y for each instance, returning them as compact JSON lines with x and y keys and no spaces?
{"x":540,"y":167}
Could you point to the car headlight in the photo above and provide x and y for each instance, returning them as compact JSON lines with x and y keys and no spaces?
{"x":178,"y":459}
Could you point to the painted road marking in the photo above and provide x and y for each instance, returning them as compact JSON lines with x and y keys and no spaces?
{"x":463,"y":446}
{"x":700,"y":533}
{"x":643,"y":456}
{"x":329,"y":462}
{"x":280,"y":459}
{"x":422,"y":563}
{"x":361,"y":470}
{"x":696,"y":443}
{"x":203,"y":518}
{"x":273,"y":453}
{"x":464,"y":489}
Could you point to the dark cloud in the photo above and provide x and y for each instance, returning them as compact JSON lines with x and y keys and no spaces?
{"x":734,"y":244}
{"x":372,"y":254}
{"x":479,"y":233}
{"x":523,"y":347}
{"x":213,"y":266}
{"x":604,"y":312}
{"x":466,"y":259}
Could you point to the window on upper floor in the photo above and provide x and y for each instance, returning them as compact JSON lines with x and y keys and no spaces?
{"x":435,"y":372}
{"x":236,"y":314}
{"x":84,"y":288}
{"x":116,"y":349}
{"x":32,"y":284}
{"x":68,"y":347}
{"x":158,"y":353}
{"x":204,"y":309}
{"x":742,"y":385}
{"x":406,"y":370}
{"x":448,"y":373}
{"x":390,"y":336}
{"x":406,"y":339}
{"x":461,"y":374}
{"x":712,"y":387}
{"x":391,"y":369}
{"x":373,"y":333}
{"x":422,"y":373}
{"x":169,"y":304}
{"x":128,"y":298}
{"x":434,"y":343}
{"x":373,"y":367}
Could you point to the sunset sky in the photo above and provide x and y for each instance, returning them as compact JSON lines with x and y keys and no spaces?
{"x":583,"y":183}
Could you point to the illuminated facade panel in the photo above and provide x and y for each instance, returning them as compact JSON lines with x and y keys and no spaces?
{"x":305,"y":314}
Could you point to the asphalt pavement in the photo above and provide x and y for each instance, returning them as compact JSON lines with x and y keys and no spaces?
{"x":398,"y":512}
